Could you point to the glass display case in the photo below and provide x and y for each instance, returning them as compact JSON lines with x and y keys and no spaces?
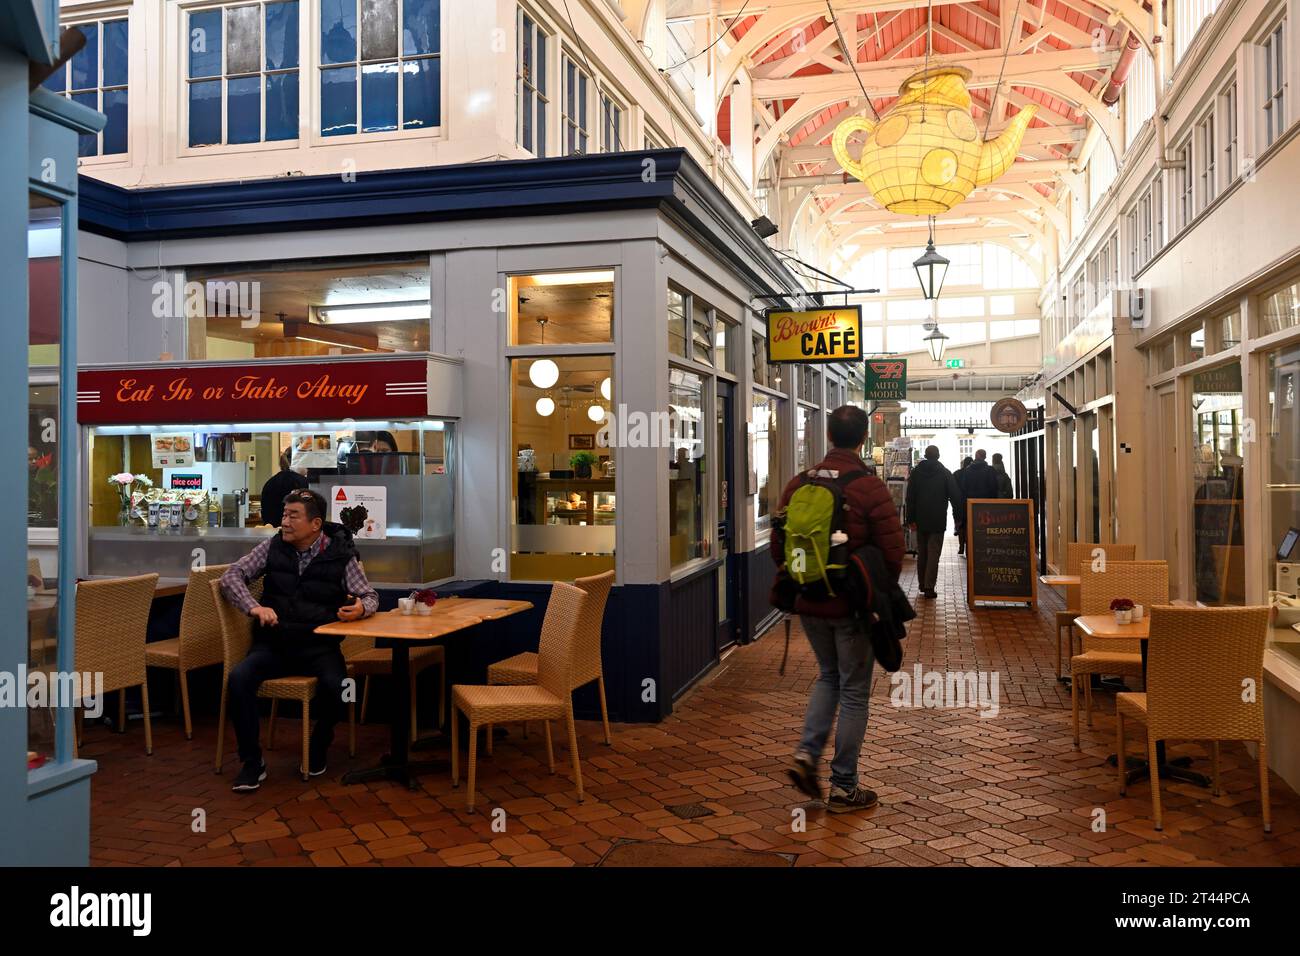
{"x":165,"y":497}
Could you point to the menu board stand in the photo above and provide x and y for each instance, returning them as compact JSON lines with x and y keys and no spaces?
{"x":1000,"y":551}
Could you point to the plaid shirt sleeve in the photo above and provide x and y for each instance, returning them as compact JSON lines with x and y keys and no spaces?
{"x":234,"y":582}
{"x":358,"y":586}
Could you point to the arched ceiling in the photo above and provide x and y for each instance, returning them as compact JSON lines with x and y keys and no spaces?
{"x":1059,"y":55}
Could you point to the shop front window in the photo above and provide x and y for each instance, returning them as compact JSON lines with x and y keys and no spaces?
{"x":44,"y":323}
{"x":1282,"y":485}
{"x":305,"y":308}
{"x":219,"y":488}
{"x":562,"y":308}
{"x":765,"y":457}
{"x":1280,"y":309}
{"x":807,"y":432}
{"x":1217,"y":485}
{"x":563,"y":444}
{"x":689,"y":535}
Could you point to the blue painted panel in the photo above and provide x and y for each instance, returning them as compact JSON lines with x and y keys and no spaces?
{"x":282,"y":106}
{"x":244,"y":109}
{"x":421,"y":27}
{"x":205,"y":113}
{"x":116,"y":48}
{"x":281,"y":39}
{"x":338,"y":31}
{"x":338,"y":101}
{"x":379,"y":97}
{"x":115,"y":108}
{"x":422,"y":94}
{"x":205,"y":44}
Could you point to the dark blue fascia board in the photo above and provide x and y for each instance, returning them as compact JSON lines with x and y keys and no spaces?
{"x":572,"y":184}
{"x":470,"y":191}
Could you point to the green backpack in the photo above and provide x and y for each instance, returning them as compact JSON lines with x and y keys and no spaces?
{"x":815,"y":511}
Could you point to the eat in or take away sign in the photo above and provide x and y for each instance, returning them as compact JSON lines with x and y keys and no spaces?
{"x":816,"y":335}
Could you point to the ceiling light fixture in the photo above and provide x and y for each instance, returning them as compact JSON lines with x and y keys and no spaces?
{"x":415,"y":310}
{"x":543,"y":373}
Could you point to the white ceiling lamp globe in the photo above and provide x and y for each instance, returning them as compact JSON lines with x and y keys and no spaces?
{"x":596,"y":413}
{"x":543,"y":373}
{"x":545,"y":406}
{"x":604,"y":388}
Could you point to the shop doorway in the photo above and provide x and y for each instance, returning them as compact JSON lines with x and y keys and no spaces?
{"x":728,"y":632}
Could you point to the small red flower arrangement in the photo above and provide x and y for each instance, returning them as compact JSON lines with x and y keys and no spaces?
{"x":1121,"y":604}
{"x":427,"y":596}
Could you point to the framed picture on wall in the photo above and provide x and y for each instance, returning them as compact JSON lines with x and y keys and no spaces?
{"x":582,"y":441}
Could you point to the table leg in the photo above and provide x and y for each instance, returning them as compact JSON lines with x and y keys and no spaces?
{"x":397,"y":764}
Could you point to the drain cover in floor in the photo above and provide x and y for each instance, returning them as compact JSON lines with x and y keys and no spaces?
{"x":671,"y":854}
{"x":690,"y":811}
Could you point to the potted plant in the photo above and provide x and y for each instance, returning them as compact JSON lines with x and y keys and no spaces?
{"x":581,"y":462}
{"x":1123,"y":608}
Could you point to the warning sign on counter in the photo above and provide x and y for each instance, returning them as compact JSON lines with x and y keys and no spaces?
{"x":362,"y":509}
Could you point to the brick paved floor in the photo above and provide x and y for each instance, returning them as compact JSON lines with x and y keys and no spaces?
{"x":955,"y":789}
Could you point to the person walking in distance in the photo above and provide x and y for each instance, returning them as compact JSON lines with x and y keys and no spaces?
{"x":930,"y":490}
{"x":960,"y":477}
{"x":1005,"y":488}
{"x":843,"y":649}
{"x":980,"y":480}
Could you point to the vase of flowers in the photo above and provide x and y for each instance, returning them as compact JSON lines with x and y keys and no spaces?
{"x":1123,"y":608}
{"x":425,"y":599}
{"x":130,"y":490}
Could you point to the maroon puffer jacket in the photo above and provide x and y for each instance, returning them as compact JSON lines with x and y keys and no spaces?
{"x":873,"y":519}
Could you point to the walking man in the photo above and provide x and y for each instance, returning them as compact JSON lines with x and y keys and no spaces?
{"x":930,"y":490}
{"x":844,"y":655}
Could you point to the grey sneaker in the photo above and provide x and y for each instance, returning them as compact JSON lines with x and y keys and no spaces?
{"x":843,"y":801}
{"x":803,"y":774}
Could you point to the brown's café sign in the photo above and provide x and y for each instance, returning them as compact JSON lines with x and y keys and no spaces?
{"x":815,"y":335}
{"x":249,"y":393}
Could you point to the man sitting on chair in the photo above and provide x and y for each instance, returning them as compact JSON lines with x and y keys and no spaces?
{"x":311,"y":577}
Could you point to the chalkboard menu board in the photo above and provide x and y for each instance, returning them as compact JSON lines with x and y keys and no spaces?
{"x":1000,"y":550}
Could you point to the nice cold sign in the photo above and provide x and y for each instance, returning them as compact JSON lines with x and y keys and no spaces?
{"x":815,"y":335}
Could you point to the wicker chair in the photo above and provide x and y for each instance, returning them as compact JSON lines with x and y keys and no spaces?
{"x":1146,"y":583}
{"x":1197,"y":661}
{"x":112,"y":622}
{"x":236,"y":638}
{"x":522,"y":668}
{"x":199,"y":643}
{"x":550,"y":698}
{"x":365,"y":660}
{"x":1075,"y":552}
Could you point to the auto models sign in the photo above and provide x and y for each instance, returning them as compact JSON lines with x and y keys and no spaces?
{"x":885,"y":380}
{"x":817,"y":335}
{"x":362,"y":509}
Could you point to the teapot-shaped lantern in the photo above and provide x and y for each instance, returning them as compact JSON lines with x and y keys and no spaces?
{"x":925,"y":156}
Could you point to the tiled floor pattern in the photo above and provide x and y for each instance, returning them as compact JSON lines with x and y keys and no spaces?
{"x":955,"y":788}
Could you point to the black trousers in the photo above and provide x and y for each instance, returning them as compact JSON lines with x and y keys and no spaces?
{"x":928,"y":548}
{"x":312,"y":658}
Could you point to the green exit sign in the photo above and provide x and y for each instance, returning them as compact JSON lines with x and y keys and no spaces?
{"x":955,"y":363}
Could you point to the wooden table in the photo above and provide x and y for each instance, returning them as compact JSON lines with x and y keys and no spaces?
{"x":406,"y":631}
{"x":1103,"y":627}
{"x":1060,"y":580}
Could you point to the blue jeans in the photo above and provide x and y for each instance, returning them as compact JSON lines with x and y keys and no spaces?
{"x":846,"y":659}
